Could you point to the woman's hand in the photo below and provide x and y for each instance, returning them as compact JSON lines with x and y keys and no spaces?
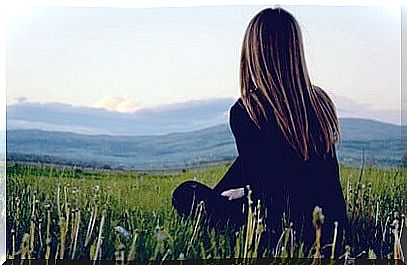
{"x":233,"y":194}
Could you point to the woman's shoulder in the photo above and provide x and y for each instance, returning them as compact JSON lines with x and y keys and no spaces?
{"x":239,"y":116}
{"x":238,"y":108}
{"x":238,"y":105}
{"x":239,"y":112}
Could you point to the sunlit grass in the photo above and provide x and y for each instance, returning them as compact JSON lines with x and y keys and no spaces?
{"x":70,"y":214}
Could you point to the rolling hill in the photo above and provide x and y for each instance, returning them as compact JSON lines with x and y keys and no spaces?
{"x":380,"y":142}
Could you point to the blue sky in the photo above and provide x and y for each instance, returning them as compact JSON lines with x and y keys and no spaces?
{"x":125,"y":59}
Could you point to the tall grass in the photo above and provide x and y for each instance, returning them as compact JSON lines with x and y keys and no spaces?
{"x":70,"y":214}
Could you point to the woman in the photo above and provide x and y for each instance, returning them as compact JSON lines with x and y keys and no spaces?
{"x":285,"y":131}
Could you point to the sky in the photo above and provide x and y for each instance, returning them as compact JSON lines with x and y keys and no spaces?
{"x":125,"y":59}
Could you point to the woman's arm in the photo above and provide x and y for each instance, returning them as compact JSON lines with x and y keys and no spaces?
{"x":244,"y":132}
{"x":232,"y":179}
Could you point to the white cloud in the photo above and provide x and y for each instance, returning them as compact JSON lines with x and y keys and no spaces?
{"x":117,"y":103}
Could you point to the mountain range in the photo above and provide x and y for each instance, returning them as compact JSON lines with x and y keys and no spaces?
{"x":182,"y":117}
{"x":170,"y":136}
{"x":380,"y":143}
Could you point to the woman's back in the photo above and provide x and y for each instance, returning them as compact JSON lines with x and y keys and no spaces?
{"x":287,"y":185}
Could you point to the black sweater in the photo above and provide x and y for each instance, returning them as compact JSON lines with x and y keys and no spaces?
{"x":282,"y":180}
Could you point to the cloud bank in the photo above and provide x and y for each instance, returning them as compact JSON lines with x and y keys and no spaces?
{"x":117,"y":103}
{"x":123,"y":116}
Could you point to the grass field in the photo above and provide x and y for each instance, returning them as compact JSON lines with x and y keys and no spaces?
{"x":71,"y":214}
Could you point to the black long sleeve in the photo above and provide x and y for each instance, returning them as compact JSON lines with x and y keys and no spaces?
{"x":243,"y":130}
{"x":233,"y":177}
{"x":281,"y":179}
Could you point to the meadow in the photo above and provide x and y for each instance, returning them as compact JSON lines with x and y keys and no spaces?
{"x":68,"y":213}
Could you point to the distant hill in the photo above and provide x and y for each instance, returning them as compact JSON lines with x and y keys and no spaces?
{"x":381,"y":143}
{"x":367,"y":130}
{"x":180,"y":117}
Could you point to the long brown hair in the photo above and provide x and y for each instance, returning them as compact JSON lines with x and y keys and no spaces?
{"x":273,"y":62}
